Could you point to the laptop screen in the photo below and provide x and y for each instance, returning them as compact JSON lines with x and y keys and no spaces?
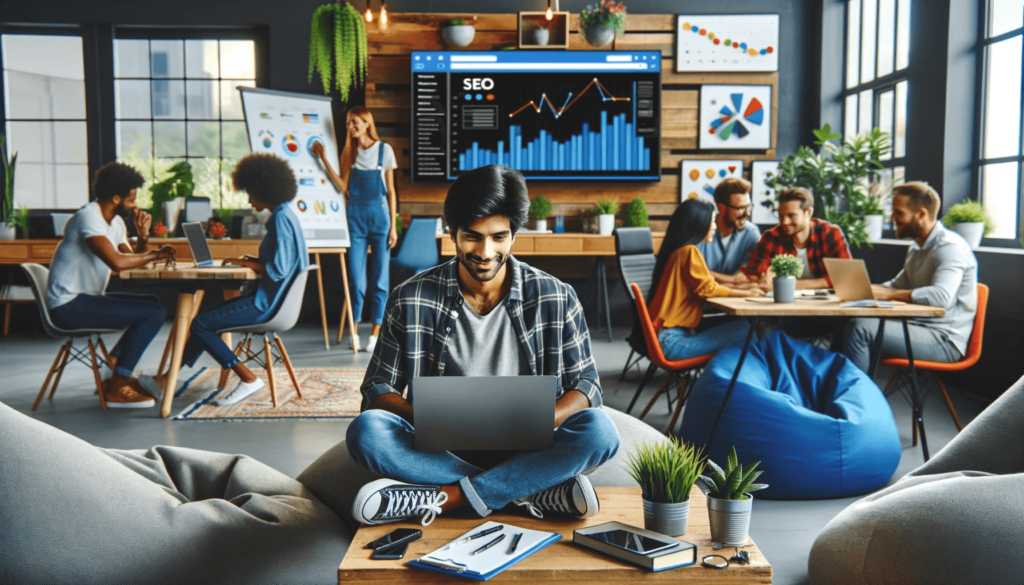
{"x":197,"y":242}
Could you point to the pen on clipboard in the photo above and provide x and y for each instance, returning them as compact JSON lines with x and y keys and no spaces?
{"x":466,"y":539}
{"x":515,"y":543}
{"x":442,"y":565}
{"x":489,"y":545}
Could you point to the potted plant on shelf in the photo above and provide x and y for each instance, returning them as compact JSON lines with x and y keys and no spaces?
{"x":729,"y":499}
{"x":969,"y":219}
{"x":837,"y":175}
{"x":600,"y":23}
{"x":217,"y":230}
{"x":540,"y":209}
{"x":170,"y":192}
{"x":457,"y":33}
{"x":7,"y":212}
{"x":338,"y":33}
{"x":605,"y":212}
{"x":160,"y":230}
{"x":786,"y":268}
{"x":636,"y":213}
{"x":666,"y":472}
{"x":870,"y":204}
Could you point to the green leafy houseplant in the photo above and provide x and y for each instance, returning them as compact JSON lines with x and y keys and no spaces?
{"x":540,"y":207}
{"x":666,"y":471}
{"x":338,"y":32}
{"x":735,"y":481}
{"x":179,"y":183}
{"x":787,"y":265}
{"x":636,"y":213}
{"x":7,"y":213}
{"x":968,"y":211}
{"x":456,"y":22}
{"x":607,"y":207}
{"x":606,"y":13}
{"x":837,"y":175}
{"x":20,"y":221}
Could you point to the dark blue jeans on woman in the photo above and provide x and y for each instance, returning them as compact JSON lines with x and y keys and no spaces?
{"x":143,"y":315}
{"x":205,"y":330}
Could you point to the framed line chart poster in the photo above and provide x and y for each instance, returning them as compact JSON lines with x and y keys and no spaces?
{"x":700,"y":177}
{"x":739,"y":42}
{"x":735,"y":117}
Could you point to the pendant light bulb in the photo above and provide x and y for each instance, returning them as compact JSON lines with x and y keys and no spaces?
{"x":382,"y":24}
{"x":369,"y":15}
{"x":549,"y":15}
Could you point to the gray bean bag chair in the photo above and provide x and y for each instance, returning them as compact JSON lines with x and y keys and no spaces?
{"x":74,"y":513}
{"x":956,"y":519}
{"x":334,"y":478}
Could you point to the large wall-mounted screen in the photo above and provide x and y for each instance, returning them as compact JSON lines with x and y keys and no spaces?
{"x":554,"y":115}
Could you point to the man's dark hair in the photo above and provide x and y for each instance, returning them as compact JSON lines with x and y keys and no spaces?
{"x":487,"y":191}
{"x":729,"y":187}
{"x":797,"y":194}
{"x":265,"y":177}
{"x":115,"y":179}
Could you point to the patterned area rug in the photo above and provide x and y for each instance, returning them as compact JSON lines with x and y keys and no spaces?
{"x":327,"y":393}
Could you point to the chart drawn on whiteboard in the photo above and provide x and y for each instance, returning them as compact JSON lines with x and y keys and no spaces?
{"x":287,"y":125}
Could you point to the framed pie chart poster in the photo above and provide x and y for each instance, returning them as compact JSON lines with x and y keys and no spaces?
{"x":700,"y":177}
{"x":735,"y":117}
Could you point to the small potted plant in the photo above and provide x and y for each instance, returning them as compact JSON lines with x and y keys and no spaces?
{"x":605,"y":212}
{"x":160,"y":230}
{"x":969,"y":219}
{"x":666,"y":472}
{"x":870,"y":205}
{"x":20,"y":222}
{"x":636,"y":213}
{"x":729,"y":499}
{"x":786,"y":268}
{"x":217,"y":230}
{"x":540,"y":209}
{"x":600,"y":23}
{"x":457,"y":33}
{"x":7,"y":211}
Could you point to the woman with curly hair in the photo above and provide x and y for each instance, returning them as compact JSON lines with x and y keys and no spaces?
{"x":270,"y":184}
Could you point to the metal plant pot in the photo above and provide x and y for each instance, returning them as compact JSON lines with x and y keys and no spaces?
{"x":599,"y":35}
{"x":730,"y":519}
{"x":670,"y":519}
{"x":459,"y":35}
{"x":784,"y":289}
{"x":541,"y":36}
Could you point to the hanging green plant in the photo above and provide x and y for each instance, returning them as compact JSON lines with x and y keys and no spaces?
{"x":339,"y":30}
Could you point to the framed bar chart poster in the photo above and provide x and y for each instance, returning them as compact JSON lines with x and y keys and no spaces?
{"x":700,"y":177}
{"x":735,"y":117}
{"x":740,"y":42}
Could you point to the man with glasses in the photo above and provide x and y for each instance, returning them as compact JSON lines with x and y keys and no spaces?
{"x":735,"y":237}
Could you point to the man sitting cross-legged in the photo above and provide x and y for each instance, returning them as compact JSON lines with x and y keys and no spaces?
{"x":483,"y":313}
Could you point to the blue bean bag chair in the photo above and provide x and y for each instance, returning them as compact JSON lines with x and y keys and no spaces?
{"x":819,"y":426}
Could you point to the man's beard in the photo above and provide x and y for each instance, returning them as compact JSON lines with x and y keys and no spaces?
{"x":907,"y":231}
{"x":469,"y":262}
{"x":124,"y":212}
{"x":793,"y":229}
{"x":737,"y":223}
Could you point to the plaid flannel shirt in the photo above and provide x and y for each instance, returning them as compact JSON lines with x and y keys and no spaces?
{"x":826,"y":241}
{"x":420,"y":313}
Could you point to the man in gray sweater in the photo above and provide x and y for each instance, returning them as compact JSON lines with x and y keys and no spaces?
{"x":940,"y":271}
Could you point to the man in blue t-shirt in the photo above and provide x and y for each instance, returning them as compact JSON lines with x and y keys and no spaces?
{"x":735,"y":237}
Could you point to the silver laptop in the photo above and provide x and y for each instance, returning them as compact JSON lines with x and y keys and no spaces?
{"x":197,"y":244}
{"x":455,"y":413}
{"x":849,"y":279}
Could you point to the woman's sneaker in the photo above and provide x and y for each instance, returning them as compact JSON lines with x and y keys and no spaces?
{"x":355,"y":343}
{"x":574,"y":498}
{"x":371,"y":342}
{"x":241,"y":392}
{"x":387,"y":500}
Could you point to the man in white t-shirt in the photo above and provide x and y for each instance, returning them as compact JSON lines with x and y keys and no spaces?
{"x":96,"y":243}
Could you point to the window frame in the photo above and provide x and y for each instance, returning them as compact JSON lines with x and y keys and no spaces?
{"x":980,"y":114}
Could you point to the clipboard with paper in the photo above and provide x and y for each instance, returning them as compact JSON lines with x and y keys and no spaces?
{"x":461,"y":562}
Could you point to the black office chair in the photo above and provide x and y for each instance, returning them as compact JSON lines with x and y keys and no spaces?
{"x":634,"y":251}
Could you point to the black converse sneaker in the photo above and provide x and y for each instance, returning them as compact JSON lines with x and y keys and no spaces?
{"x":574,"y":498}
{"x":387,"y":500}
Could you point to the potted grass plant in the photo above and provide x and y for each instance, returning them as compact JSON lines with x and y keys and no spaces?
{"x":729,"y":499}
{"x":969,"y":219}
{"x":636,"y":213}
{"x":540,"y":209}
{"x":786,"y":268}
{"x":605,"y":212}
{"x":8,"y":215}
{"x":666,"y":472}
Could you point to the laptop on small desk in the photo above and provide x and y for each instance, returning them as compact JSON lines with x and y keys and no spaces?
{"x":199,"y":247}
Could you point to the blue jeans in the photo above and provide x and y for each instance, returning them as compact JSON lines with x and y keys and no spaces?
{"x":143,"y":315}
{"x":680,"y":343}
{"x":206,"y":328}
{"x":369,"y":225}
{"x":384,"y":443}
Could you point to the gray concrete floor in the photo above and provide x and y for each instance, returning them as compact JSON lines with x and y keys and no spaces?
{"x":783,"y":530}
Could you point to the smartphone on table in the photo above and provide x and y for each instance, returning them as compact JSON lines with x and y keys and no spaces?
{"x":393,"y":546}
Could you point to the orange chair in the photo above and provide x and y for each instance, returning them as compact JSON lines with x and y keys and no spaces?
{"x":688,"y":367}
{"x":973,"y":353}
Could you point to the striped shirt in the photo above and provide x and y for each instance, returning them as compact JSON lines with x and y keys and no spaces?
{"x":421,"y":312}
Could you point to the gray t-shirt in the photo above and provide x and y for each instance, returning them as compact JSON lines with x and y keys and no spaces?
{"x":485,"y":345}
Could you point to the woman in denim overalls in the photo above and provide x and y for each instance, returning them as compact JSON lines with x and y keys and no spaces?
{"x":367,"y":179}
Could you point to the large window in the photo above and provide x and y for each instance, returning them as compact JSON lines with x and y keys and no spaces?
{"x":176,"y":99}
{"x":999,"y":148}
{"x":877,"y":57}
{"x":44,"y":109}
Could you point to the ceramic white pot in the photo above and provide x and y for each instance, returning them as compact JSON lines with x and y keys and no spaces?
{"x":541,"y":36}
{"x":874,"y":224}
{"x":542,"y":225}
{"x":6,"y":233}
{"x":458,"y":36}
{"x":972,"y":232}
{"x":599,"y":35}
{"x":171,"y":209}
{"x":606,"y":224}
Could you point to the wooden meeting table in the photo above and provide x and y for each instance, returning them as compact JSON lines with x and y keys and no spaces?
{"x":754,"y":309}
{"x":188,"y":280}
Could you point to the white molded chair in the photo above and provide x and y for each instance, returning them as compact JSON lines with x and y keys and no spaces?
{"x":38,"y":276}
{"x":284,"y":319}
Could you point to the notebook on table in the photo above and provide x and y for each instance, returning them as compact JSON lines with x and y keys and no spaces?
{"x":461,"y":562}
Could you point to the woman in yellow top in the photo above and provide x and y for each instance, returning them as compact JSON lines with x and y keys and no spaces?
{"x":681,"y":283}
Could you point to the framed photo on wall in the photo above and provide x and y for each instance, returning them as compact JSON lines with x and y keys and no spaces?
{"x":735,"y":117}
{"x":734,"y":42}
{"x":760,"y":192}
{"x":700,"y":177}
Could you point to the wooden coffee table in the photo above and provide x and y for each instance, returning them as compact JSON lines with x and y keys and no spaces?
{"x":562,"y":562}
